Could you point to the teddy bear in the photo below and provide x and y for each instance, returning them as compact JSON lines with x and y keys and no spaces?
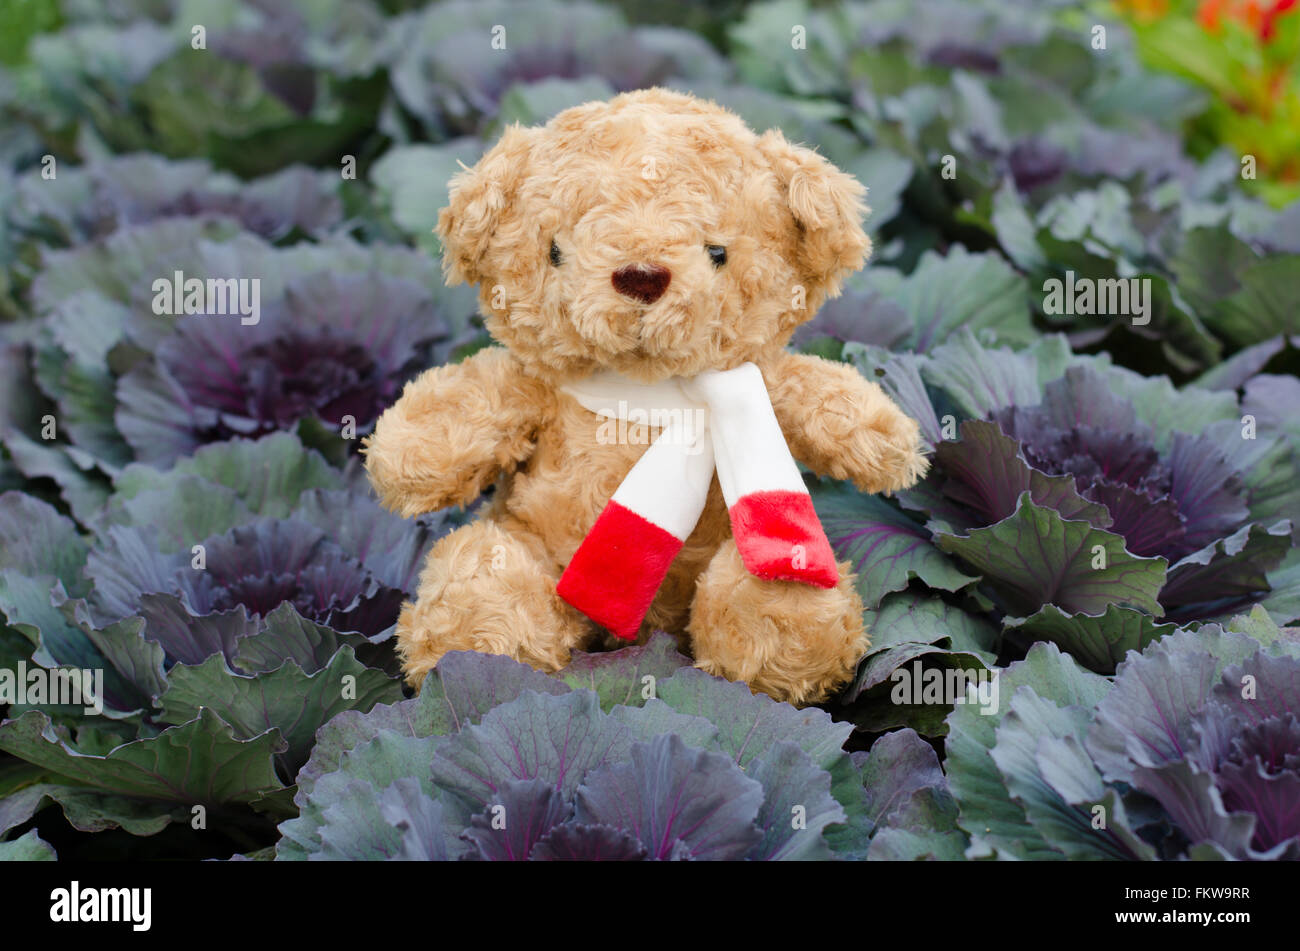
{"x":642,"y":263}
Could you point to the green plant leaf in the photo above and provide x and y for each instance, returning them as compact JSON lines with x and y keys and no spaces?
{"x":887,"y":548}
{"x":620,"y":676}
{"x":1034,"y":557}
{"x":28,"y":847}
{"x":994,"y":820}
{"x":201,"y":761}
{"x":1098,"y":642}
{"x":288,"y":699}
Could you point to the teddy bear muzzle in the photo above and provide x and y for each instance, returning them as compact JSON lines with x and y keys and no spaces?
{"x":643,"y":282}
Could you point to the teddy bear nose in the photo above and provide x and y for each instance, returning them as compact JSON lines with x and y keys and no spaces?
{"x":643,"y":282}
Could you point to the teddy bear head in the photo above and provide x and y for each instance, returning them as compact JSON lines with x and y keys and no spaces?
{"x":654,"y":234}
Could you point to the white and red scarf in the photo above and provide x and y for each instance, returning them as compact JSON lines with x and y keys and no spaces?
{"x":718,"y":420}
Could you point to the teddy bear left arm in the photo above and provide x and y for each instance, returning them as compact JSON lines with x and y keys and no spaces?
{"x":843,"y":426}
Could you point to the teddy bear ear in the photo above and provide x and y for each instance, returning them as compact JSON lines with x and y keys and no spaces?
{"x":479,"y":198}
{"x":828,"y":207}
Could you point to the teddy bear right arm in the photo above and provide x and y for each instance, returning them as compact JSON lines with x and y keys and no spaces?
{"x":453,"y":431}
{"x":842,"y":425}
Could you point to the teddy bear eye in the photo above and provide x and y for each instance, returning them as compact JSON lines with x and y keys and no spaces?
{"x":717,"y":254}
{"x":556,"y":258}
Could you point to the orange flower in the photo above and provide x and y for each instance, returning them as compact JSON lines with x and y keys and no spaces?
{"x":1209,"y":12}
{"x":1259,"y":15}
{"x":1268,"y":25}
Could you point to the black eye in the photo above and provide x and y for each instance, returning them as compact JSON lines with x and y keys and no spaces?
{"x":717,"y":254}
{"x":556,"y":258}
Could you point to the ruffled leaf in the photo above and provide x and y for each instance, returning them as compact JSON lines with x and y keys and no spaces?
{"x":1078,"y":567}
{"x":669,"y":793}
{"x":887,"y":548}
{"x":624,"y":676}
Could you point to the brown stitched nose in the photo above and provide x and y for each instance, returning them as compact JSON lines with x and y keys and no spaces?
{"x":643,"y":282}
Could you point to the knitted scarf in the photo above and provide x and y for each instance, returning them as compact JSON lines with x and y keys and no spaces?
{"x":718,"y":421}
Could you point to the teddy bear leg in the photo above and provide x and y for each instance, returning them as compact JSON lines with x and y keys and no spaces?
{"x":792,"y":641}
{"x":484,"y":589}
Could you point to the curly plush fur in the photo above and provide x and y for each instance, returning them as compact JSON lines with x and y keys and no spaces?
{"x":648,"y":177}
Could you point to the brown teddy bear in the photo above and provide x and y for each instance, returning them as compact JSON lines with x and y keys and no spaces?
{"x":643,"y":262}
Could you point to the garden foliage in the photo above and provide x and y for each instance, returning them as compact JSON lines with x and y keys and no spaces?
{"x":1109,"y":524}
